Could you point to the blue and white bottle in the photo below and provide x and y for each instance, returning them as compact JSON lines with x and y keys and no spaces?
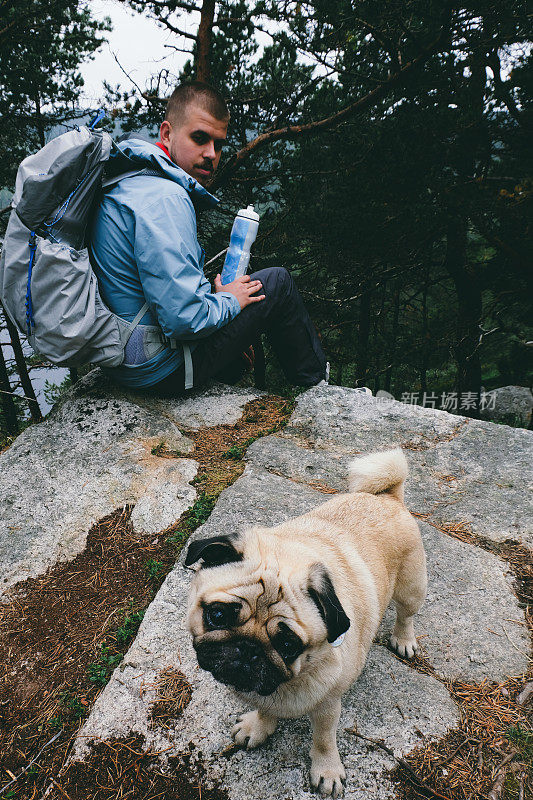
{"x":241,"y":240}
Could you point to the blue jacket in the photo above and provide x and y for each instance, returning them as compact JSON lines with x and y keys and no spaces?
{"x":144,"y":246}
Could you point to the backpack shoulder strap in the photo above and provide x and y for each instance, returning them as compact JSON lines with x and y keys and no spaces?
{"x":108,"y":183}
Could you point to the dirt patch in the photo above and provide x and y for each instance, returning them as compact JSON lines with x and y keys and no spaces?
{"x":494,"y":742}
{"x":123,"y":769}
{"x":174,"y":693}
{"x":62,"y":634}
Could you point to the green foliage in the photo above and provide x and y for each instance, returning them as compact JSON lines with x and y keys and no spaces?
{"x":42,"y":44}
{"x":110,"y":655}
{"x":194,"y":517}
{"x":200,"y":510}
{"x":130,"y":626}
{"x":522,"y":739}
{"x":236,"y":452}
{"x":100,"y":670}
{"x":73,"y":710}
{"x":154,"y":569}
{"x":53,"y":391}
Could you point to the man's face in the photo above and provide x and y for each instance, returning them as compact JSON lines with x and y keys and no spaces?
{"x":196,"y":145}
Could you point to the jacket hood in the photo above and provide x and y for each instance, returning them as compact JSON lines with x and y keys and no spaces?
{"x":133,"y":152}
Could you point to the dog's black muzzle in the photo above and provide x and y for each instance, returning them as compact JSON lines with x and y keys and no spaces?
{"x":240,"y":663}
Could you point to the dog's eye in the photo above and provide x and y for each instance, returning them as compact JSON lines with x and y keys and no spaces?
{"x":288,"y":645}
{"x":218,"y":616}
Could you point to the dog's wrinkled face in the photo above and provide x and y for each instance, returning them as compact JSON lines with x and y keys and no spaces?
{"x":255,"y":614}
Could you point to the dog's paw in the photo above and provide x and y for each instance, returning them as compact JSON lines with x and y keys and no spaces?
{"x":404,"y":646}
{"x":251,"y":730}
{"x":328,"y":775}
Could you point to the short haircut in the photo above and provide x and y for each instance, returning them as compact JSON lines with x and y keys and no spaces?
{"x":197,"y":93}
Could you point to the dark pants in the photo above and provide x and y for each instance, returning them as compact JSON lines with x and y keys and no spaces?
{"x":281,"y":316}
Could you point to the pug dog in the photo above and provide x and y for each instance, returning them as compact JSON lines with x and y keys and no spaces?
{"x":286,"y":616}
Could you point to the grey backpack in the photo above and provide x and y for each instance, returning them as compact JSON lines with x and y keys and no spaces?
{"x":47,"y":285}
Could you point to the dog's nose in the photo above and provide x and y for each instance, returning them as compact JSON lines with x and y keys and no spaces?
{"x":241,"y":663}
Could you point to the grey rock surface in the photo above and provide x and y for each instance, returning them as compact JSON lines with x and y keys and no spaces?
{"x":342,"y":420}
{"x":471,"y":626}
{"x":462,"y":470}
{"x":216,"y":404}
{"x":510,"y":404}
{"x":93,"y":454}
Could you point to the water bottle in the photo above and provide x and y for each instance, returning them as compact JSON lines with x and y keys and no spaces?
{"x":241,"y":240}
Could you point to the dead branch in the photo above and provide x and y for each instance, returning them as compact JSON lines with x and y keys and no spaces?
{"x":177,"y":31}
{"x":179,"y":49}
{"x":128,"y":76}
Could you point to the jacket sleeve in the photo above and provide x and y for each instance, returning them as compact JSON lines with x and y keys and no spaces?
{"x":169,"y":260}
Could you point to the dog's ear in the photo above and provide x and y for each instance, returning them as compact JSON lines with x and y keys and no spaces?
{"x":213,"y":552}
{"x":323,"y":594}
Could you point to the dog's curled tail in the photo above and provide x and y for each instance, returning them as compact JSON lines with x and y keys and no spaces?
{"x":378,"y":473}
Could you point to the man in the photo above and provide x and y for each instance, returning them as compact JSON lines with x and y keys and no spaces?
{"x":144,"y":249}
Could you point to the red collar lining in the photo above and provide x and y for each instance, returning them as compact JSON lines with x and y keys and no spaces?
{"x":164,"y":149}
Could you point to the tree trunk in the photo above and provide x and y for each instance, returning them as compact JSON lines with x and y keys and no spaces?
{"x":425,"y":337}
{"x":203,"y":41}
{"x":259,"y":364}
{"x":465,"y":350}
{"x":362,"y":342}
{"x":8,"y":420}
{"x":379,"y":322}
{"x":22,"y":370}
{"x":39,"y":119}
{"x":392,"y":348}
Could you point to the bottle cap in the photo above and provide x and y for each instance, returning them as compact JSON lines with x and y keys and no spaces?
{"x":248,"y":213}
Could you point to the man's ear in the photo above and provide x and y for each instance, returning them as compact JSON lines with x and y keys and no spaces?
{"x":213,"y":552}
{"x":323,"y":594}
{"x":164,"y":132}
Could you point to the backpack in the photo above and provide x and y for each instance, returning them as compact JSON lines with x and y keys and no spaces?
{"x":47,"y":285}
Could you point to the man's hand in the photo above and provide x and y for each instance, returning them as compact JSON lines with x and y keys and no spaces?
{"x":242,"y":288}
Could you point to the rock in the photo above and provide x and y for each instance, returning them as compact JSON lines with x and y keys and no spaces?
{"x":462,"y":470}
{"x":471,"y":626}
{"x":512,"y":405}
{"x":216,"y":404}
{"x":95,"y":452}
{"x":91,"y":455}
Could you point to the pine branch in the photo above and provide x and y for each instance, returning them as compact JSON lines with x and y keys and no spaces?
{"x":362,"y":103}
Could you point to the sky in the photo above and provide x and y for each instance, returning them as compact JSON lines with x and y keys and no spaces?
{"x":139,"y":45}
